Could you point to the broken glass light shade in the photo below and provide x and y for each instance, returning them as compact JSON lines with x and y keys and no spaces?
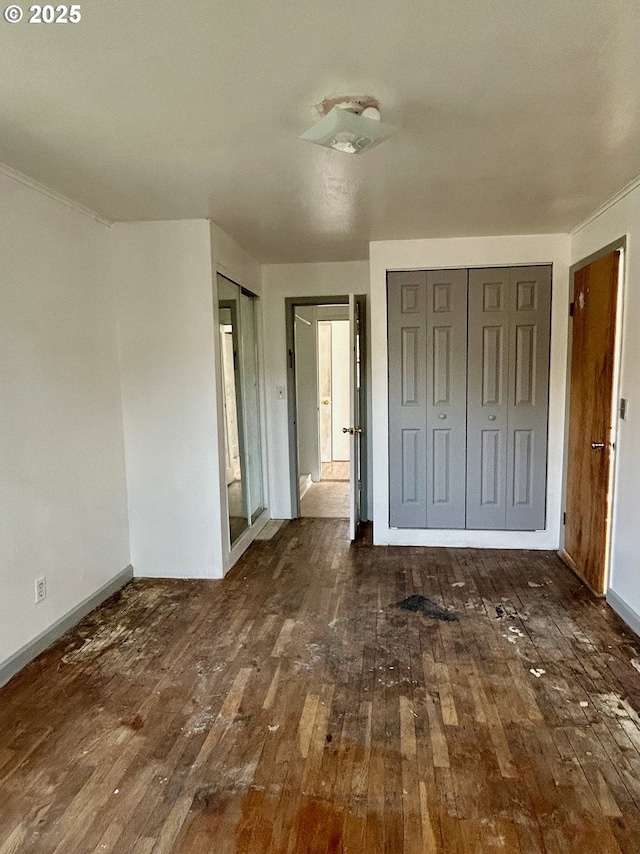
{"x":348,"y":131}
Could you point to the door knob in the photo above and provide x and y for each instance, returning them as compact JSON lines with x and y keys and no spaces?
{"x":351,"y":430}
{"x":599,"y":446}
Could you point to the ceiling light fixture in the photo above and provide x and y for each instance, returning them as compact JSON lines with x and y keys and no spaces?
{"x":350,"y":124}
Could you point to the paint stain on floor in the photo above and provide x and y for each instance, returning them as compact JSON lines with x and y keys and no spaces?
{"x":421,"y":605}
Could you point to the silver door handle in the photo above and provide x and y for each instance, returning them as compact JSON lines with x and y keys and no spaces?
{"x":599,"y":446}
{"x":351,"y":430}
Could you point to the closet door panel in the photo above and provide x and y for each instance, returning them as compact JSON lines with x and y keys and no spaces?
{"x":487,"y":397}
{"x":406,"y":333}
{"x":468,"y":397}
{"x":446,"y":353}
{"x":530,"y":298}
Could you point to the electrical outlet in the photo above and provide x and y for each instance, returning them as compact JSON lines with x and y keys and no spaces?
{"x":41,"y":589}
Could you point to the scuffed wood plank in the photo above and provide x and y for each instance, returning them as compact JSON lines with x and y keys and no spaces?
{"x":305,"y":727}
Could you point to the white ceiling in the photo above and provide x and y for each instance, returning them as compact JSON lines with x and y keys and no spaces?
{"x":515,"y":116}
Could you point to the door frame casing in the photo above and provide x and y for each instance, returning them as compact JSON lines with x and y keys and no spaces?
{"x":292,"y":417}
{"x":620,"y":244}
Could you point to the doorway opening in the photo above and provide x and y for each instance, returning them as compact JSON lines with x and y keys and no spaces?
{"x":325,"y":340}
{"x":322,"y":405}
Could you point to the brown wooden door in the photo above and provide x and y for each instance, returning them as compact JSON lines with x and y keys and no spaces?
{"x":590,"y":405}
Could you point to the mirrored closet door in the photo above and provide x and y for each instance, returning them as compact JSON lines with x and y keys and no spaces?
{"x":241,"y":399}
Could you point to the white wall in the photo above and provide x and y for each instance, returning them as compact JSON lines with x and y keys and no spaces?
{"x":230,"y":259}
{"x":620,"y":219}
{"x":163,"y":284}
{"x":167,"y":303}
{"x":62,"y":474}
{"x":469,"y":252}
{"x":278,"y":282}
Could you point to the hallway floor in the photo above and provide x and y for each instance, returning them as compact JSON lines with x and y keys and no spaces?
{"x":336,"y":470}
{"x":327,"y":499}
{"x":294,"y":707}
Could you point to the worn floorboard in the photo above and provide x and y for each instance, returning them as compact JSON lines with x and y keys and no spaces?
{"x":294,"y":708}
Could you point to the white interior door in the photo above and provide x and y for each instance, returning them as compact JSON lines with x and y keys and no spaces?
{"x":340,"y":389}
{"x":354,"y":417}
{"x":324,"y":390}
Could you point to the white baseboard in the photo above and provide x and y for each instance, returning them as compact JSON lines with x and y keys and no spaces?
{"x":631,"y":618}
{"x":29,"y":651}
{"x":305,"y":484}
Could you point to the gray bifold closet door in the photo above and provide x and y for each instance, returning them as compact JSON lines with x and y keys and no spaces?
{"x":507,"y":405}
{"x":427,"y":340}
{"x":446,"y":397}
{"x":407,"y":342}
{"x":468,"y":397}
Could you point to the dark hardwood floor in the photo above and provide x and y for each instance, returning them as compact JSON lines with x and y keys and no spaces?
{"x":292,"y":708}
